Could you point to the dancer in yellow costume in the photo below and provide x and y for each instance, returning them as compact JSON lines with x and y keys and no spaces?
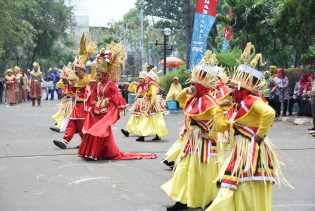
{"x":147,"y":118}
{"x":252,"y":166}
{"x":175,"y":89}
{"x":193,"y":183}
{"x":221,"y":95}
{"x":66,"y":83}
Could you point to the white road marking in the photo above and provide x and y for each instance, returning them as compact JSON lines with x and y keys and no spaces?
{"x":86,"y":180}
{"x":39,"y":176}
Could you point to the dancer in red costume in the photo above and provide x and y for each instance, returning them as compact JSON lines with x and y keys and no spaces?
{"x":78,"y":113}
{"x":105,"y":105}
{"x":36,"y":88}
{"x":10,"y":86}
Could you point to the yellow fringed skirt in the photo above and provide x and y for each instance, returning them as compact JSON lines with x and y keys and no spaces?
{"x":147,"y":125}
{"x":173,"y":153}
{"x":249,"y":196}
{"x":65,"y":108}
{"x":193,"y":182}
{"x":247,"y":177}
{"x":147,"y":119}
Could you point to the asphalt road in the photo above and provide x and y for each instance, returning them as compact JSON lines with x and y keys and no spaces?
{"x":36,"y":176}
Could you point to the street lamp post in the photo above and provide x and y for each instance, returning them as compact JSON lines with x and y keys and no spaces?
{"x":166,"y":33}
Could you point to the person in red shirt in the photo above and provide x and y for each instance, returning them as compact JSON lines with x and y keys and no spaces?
{"x":78,"y":114}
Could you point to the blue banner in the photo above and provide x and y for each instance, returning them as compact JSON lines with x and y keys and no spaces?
{"x":202,"y":25}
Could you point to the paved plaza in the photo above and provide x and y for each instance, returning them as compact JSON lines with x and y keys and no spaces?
{"x":36,"y":176}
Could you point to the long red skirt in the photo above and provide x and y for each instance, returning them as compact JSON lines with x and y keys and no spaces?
{"x":10,"y":94}
{"x":35,"y":89}
{"x":100,"y":148}
{"x":98,"y":141}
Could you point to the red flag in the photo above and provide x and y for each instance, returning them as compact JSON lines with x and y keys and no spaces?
{"x":208,"y":7}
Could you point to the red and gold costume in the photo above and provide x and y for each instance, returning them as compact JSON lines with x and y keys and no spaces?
{"x":252,"y":165}
{"x":193,"y":183}
{"x":78,"y":113}
{"x":78,"y":87}
{"x":19,"y":81}
{"x":35,"y":87}
{"x":105,"y":105}
{"x":10,"y":87}
{"x":222,"y":92}
{"x":66,"y":84}
{"x":25,"y":87}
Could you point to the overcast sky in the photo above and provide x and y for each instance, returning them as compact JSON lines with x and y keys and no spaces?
{"x":101,"y":12}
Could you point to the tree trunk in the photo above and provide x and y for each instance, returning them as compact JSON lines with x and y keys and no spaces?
{"x":188,"y":11}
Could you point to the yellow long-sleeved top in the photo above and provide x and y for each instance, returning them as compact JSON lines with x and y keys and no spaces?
{"x":203,"y":109}
{"x":152,"y":92}
{"x":80,"y":83}
{"x":259,"y":115}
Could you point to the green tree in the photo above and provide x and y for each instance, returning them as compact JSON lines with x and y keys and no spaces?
{"x":295,"y":27}
{"x":176,"y":14}
{"x":282,"y":30}
{"x":33,"y":30}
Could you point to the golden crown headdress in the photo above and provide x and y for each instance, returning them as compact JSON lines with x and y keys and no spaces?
{"x":71,"y":76}
{"x":87,"y":48}
{"x":68,"y":74}
{"x":207,"y":71}
{"x":111,"y":59}
{"x":35,"y":64}
{"x":246,"y":75}
{"x":8,"y":71}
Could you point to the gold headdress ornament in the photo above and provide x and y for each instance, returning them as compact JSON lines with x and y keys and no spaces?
{"x":246,"y":75}
{"x":111,"y":59}
{"x":37,"y":73}
{"x":17,"y":69}
{"x":68,"y":73}
{"x":248,"y":53}
{"x":79,"y":62}
{"x":71,"y":76}
{"x":35,"y":64}
{"x":207,"y":72}
{"x":87,"y":48}
{"x":9,"y":71}
{"x":63,"y":73}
